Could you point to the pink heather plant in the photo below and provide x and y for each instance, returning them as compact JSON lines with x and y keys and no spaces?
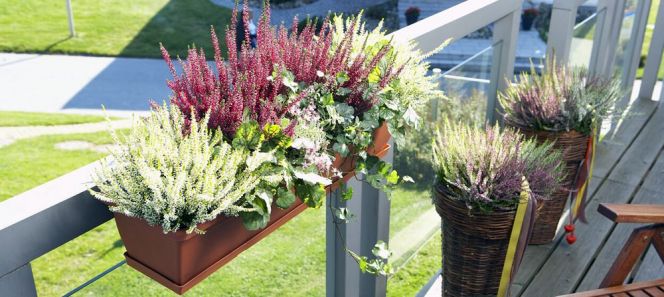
{"x":484,"y":168}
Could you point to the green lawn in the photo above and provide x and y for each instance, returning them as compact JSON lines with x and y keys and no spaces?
{"x":19,"y":118}
{"x":291,"y":262}
{"x":648,"y":36}
{"x":109,"y":27}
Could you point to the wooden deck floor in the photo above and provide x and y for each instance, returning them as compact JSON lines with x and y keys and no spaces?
{"x":629,"y":169}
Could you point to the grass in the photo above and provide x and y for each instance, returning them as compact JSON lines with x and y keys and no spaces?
{"x":30,"y":162}
{"x":291,"y":262}
{"x":416,"y":273}
{"x":131,"y":28}
{"x":648,"y":37}
{"x":19,"y":118}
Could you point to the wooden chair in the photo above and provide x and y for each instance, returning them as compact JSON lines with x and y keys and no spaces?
{"x":636,"y":245}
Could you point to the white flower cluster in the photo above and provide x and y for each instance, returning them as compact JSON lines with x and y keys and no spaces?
{"x":176,"y":175}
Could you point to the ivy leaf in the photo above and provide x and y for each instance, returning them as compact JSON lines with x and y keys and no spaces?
{"x":346,"y":111}
{"x":381,"y":251}
{"x":343,"y":214}
{"x":347,"y":194}
{"x":328,"y":99}
{"x":285,"y":198}
{"x":374,"y":76}
{"x":254,"y":220}
{"x":411,"y":117}
{"x":408,"y":179}
{"x":248,"y":136}
{"x":392,"y":178}
{"x":312,"y":178}
{"x":342,"y":77}
{"x":341,"y":148}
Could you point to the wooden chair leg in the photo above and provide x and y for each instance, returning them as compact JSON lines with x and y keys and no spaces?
{"x":658,"y":242}
{"x":635,"y":246}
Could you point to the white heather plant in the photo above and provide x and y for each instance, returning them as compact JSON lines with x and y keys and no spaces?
{"x":177,"y":177}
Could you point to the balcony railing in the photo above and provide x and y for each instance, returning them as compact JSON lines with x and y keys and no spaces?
{"x":40,"y":220}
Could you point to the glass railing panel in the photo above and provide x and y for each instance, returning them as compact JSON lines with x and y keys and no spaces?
{"x":583,"y":34}
{"x":413,"y":220}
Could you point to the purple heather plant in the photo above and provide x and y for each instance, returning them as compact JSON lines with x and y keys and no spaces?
{"x":561,"y":99}
{"x":484,"y":167}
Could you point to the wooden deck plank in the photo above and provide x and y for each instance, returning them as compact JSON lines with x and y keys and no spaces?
{"x":618,"y":289}
{"x":632,"y":167}
{"x":610,"y":149}
{"x":567,"y":264}
{"x":614,"y":144}
{"x":611,"y":248}
{"x":536,"y":255}
{"x":652,"y":267}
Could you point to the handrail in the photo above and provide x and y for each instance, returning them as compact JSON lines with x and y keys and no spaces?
{"x":456,"y":22}
{"x":41,"y":219}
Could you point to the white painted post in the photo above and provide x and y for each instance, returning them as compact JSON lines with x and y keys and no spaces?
{"x":505,"y":34}
{"x":606,"y":39}
{"x":70,"y":18}
{"x":371,"y":223}
{"x":654,"y":58}
{"x":19,"y":282}
{"x":561,"y":29}
{"x":636,"y":43}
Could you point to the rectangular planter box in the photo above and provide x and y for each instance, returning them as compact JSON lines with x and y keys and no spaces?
{"x":178,"y":260}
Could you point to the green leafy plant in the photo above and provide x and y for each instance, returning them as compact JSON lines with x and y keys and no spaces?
{"x":561,"y":99}
{"x":484,"y":167}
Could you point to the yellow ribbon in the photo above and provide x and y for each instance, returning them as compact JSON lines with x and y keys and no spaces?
{"x":506,"y":276}
{"x":582,"y":190}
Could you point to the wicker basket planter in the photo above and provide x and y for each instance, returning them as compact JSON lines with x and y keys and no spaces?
{"x":573,"y":146}
{"x":474,"y":247}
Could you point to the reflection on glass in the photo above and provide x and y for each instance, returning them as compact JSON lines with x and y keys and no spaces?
{"x":582,"y":36}
{"x":413,"y":219}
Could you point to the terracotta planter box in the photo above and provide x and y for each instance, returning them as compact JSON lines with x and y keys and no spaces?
{"x":378,"y":148}
{"x":179,"y":260}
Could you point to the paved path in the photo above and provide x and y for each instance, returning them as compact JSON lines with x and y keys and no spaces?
{"x":51,"y":83}
{"x":318,"y":8}
{"x":10,"y":134}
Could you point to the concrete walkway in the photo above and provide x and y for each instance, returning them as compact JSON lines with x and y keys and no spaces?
{"x":318,"y":8}
{"x":10,"y":134}
{"x":53,"y":83}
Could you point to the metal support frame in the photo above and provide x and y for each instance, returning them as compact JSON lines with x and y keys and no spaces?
{"x":70,"y":19}
{"x":563,"y":19}
{"x":505,"y":34}
{"x":371,"y":223}
{"x":654,"y":58}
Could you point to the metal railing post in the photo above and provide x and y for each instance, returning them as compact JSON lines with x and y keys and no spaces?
{"x":654,"y":58}
{"x":561,"y":29}
{"x":505,"y":34}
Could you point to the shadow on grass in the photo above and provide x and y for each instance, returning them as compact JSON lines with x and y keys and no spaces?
{"x":116,"y":245}
{"x":129,"y":84}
